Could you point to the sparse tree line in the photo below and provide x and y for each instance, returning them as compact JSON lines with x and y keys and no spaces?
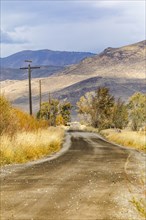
{"x":100,"y":110}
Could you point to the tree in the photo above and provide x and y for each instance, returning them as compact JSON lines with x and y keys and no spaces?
{"x":120,"y":114}
{"x":85,"y":108}
{"x":55,"y":112}
{"x":59,"y":120}
{"x":49,"y":111}
{"x":137,"y":110}
{"x":65,"y":111}
{"x":103,"y":103}
{"x":97,"y":107}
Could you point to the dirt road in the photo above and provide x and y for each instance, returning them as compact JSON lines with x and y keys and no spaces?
{"x":90,"y":180}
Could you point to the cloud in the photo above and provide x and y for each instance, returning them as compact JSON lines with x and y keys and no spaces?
{"x":107,"y":3}
{"x":11,"y":38}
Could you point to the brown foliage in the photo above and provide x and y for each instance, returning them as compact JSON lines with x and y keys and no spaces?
{"x":12,"y":120}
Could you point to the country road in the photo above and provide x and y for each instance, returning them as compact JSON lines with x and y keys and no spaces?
{"x":90,"y":179}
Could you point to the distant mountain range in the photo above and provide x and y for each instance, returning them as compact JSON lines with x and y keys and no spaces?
{"x":122,"y":70}
{"x":50,"y":62}
{"x":17,"y":74}
{"x":44,"y":58}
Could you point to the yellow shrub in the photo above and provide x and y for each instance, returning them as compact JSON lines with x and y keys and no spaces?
{"x":26,"y":122}
{"x":6,"y":116}
{"x":59,"y":120}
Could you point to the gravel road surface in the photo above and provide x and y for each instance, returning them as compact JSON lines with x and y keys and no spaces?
{"x":90,"y":179}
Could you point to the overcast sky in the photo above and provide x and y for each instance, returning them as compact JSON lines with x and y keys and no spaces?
{"x":70,"y":25}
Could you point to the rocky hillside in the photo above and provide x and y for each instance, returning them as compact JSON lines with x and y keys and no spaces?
{"x":128,"y":62}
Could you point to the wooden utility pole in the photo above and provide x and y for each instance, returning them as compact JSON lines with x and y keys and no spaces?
{"x":49,"y":98}
{"x":49,"y":113}
{"x":29,"y":68}
{"x":40,"y":90}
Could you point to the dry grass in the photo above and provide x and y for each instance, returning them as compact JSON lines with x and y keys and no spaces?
{"x":89,"y":129}
{"x":127,"y":138}
{"x":140,"y":205}
{"x":26,"y":146}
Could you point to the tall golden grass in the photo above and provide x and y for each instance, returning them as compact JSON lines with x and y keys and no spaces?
{"x":127,"y":138}
{"x":23,"y":137}
{"x":13,"y":120}
{"x":26,"y":146}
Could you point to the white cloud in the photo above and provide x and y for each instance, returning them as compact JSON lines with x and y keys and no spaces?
{"x":12,"y":37}
{"x":106,"y":3}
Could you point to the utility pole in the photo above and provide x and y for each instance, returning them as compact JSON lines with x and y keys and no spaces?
{"x":40,"y":90}
{"x":29,"y":68}
{"x":49,"y":98}
{"x":49,"y":113}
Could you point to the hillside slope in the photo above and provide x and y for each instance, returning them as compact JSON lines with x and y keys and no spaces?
{"x":128,"y":62}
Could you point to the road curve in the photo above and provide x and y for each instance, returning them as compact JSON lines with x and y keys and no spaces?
{"x":92,"y":180}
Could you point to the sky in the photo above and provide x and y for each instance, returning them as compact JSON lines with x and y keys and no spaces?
{"x":70,"y":25}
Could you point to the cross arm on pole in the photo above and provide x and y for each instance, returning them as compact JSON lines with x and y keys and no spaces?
{"x":35,"y":67}
{"x":24,"y":68}
{"x":31,"y":67}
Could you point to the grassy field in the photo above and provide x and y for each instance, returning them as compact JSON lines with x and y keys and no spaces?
{"x":27,"y":146}
{"x":126,"y":138}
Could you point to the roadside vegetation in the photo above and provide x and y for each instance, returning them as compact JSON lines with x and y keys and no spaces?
{"x":140,"y":205}
{"x":23,"y":137}
{"x":119,"y":122}
{"x":25,"y":146}
{"x":126,"y":138}
{"x":55,"y":112}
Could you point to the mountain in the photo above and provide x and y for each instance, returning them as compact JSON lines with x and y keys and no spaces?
{"x":120,"y":69}
{"x":44,"y":58}
{"x":50,"y":62}
{"x":17,"y":74}
{"x":128,"y":61}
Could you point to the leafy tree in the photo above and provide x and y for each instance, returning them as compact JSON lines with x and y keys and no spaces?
{"x":59,"y":120}
{"x":103,"y":103}
{"x":97,"y":107}
{"x":49,"y":111}
{"x":120,"y":115}
{"x":85,"y":108}
{"x":65,"y":111}
{"x":137,"y":110}
{"x":55,"y":112}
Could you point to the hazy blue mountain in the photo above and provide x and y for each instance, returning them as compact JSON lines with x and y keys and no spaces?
{"x":17,"y":74}
{"x":43,"y":58}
